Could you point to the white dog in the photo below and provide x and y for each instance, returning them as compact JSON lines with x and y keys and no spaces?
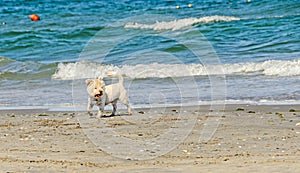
{"x":102,"y":95}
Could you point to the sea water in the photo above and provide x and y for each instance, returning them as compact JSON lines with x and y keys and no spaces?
{"x":169,"y":52}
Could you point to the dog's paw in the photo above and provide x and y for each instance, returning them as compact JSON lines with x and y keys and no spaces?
{"x":99,"y":116}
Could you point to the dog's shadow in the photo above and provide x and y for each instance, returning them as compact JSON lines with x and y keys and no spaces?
{"x":111,"y":115}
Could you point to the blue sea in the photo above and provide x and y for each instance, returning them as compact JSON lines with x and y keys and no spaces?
{"x":169,"y":52}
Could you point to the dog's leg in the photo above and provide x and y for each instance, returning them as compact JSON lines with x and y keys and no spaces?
{"x":124,"y":100}
{"x":101,"y":108}
{"x":100,"y":111}
{"x":114,"y":104}
{"x":89,"y":107}
{"x":129,"y":109}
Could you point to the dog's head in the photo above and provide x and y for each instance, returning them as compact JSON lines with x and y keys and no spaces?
{"x":95,"y":87}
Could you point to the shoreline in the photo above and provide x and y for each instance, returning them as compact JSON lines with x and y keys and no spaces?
{"x":206,"y":107}
{"x":248,"y":138}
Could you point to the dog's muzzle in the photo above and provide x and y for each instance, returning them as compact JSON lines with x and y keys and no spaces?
{"x":99,"y":95}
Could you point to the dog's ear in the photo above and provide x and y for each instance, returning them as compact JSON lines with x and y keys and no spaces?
{"x":100,"y":78}
{"x":89,"y":81}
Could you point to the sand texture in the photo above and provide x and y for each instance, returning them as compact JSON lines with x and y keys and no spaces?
{"x":243,"y":139}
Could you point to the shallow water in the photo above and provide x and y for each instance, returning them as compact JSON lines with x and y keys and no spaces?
{"x":213,"y":51}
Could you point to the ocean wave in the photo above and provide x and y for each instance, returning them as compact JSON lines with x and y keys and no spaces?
{"x":18,"y":70}
{"x":86,"y":69}
{"x":180,"y":23}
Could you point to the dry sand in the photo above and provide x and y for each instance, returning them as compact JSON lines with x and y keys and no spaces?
{"x":246,"y":139}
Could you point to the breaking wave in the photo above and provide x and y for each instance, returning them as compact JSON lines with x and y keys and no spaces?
{"x":86,"y":69}
{"x":180,"y":23}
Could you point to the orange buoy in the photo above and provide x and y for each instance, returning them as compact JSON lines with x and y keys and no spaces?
{"x":34,"y":17}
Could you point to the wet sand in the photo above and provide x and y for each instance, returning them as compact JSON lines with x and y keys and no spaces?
{"x":244,"y":138}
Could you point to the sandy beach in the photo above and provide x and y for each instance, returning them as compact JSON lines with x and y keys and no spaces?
{"x":246,"y":138}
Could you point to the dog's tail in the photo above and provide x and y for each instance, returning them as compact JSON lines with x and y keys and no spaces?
{"x":115,"y":74}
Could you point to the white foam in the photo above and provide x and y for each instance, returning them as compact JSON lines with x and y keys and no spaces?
{"x":81,"y":70}
{"x":85,"y":69}
{"x":268,"y":68}
{"x":180,"y":23}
